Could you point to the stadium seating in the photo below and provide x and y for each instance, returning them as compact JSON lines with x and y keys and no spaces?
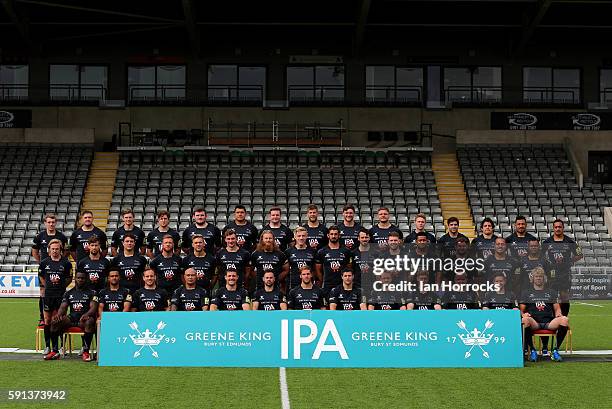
{"x":220,"y":179}
{"x":36,"y":179}
{"x":536,"y":181}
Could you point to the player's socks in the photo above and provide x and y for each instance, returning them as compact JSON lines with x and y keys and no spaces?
{"x":565,"y":307}
{"x":528,"y":339}
{"x":40,"y":307}
{"x":545,"y":343}
{"x":561,"y":332}
{"x":55,"y":341}
{"x":87,"y":341}
{"x":47,"y":336}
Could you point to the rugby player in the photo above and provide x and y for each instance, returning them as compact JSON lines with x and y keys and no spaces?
{"x":167,"y":266}
{"x":346,"y":296}
{"x":210,"y":232}
{"x":306,"y":296}
{"x":189,"y":296}
{"x":149,"y":297}
{"x":113,"y":298}
{"x":385,"y":299}
{"x":503,"y":298}
{"x":316,"y":231}
{"x":299,"y":256}
{"x":419,"y":227}
{"x":349,"y":229}
{"x":363,"y":260}
{"x":421,"y":299}
{"x":79,"y":240}
{"x":246,"y":232}
{"x":447,"y":242}
{"x":460,"y":299}
{"x":154,"y":238}
{"x":94,"y":265}
{"x":267,"y":256}
{"x":230,"y":297}
{"x":127,"y":215}
{"x":379,"y":233}
{"x":501,"y":262}
{"x":483,"y":246}
{"x":232,"y":257}
{"x":283,"y":236}
{"x":518,"y":242}
{"x":331,"y":260}
{"x":269,"y":298}
{"x":202,"y":262}
{"x":130,"y":265}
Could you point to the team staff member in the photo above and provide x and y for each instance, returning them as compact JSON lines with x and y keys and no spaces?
{"x":83,"y":303}
{"x":230,"y":297}
{"x":345,"y":296}
{"x":114,"y":298}
{"x":55,"y":273}
{"x":149,"y":297}
{"x":306,"y":296}
{"x":79,"y":241}
{"x":269,"y":298}
{"x":189,"y":297}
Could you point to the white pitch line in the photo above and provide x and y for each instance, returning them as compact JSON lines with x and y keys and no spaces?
{"x":282,"y":375}
{"x":591,"y":305}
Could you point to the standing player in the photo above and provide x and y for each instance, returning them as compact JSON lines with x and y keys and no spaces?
{"x":299,"y":256}
{"x":447,"y":242}
{"x":130,"y":265}
{"x":154,"y":238}
{"x":79,"y":241}
{"x":422,"y":299}
{"x":561,"y":252}
{"x":541,"y":310}
{"x":379,"y":233}
{"x":246,"y":232}
{"x":394,"y":246}
{"x":230,"y":297}
{"x":424,"y":254}
{"x":94,"y":265}
{"x":127,"y":215}
{"x":83,"y":303}
{"x":189,"y":297}
{"x":331,"y":260}
{"x":502,"y":298}
{"x":283,"y":236}
{"x":306,"y":296}
{"x":501,"y":262}
{"x":149,"y":297}
{"x":39,"y":249}
{"x":349,"y":229}
{"x":419,"y":227}
{"x":202,"y":262}
{"x":55,"y":273}
{"x":269,"y":298}
{"x":483,"y":246}
{"x":234,"y":258}
{"x":316,"y":231}
{"x":534,"y":259}
{"x":363,"y":260}
{"x":345,"y":296}
{"x":518,"y":242}
{"x":114,"y":298}
{"x":268,"y":257}
{"x":167,"y":266}
{"x":383,"y":299}
{"x":210,"y":232}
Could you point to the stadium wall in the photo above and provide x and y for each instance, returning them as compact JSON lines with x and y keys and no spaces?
{"x":48,"y":135}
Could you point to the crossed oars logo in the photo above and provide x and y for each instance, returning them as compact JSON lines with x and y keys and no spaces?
{"x":147,"y":338}
{"x":475,"y":338}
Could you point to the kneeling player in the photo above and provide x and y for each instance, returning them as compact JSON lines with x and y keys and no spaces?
{"x":541,"y":310}
{"x":345,"y":296}
{"x":114,"y":298}
{"x":229,"y":297}
{"x":306,"y":296}
{"x":83,"y":304}
{"x":502,"y":299}
{"x":189,"y":297}
{"x":269,"y":298}
{"x":149,"y":297}
{"x":423,"y":299}
{"x":384,"y":299}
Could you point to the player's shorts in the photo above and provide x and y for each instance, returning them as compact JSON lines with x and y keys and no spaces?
{"x":543,"y":324}
{"x":51,"y":303}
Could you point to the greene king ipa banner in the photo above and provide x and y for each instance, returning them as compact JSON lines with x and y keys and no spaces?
{"x":467,"y":338}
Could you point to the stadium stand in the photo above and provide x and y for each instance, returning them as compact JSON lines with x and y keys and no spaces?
{"x":34,"y":180}
{"x":538,"y":182}
{"x":220,"y":179}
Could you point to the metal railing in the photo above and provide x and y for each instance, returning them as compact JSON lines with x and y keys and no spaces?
{"x":75,"y":92}
{"x":551,"y":95}
{"x":235,"y":93}
{"x":156,"y":93}
{"x":14,"y":92}
{"x":392,"y":94}
{"x":473,"y":95}
{"x":605,"y":96}
{"x":317,"y":94}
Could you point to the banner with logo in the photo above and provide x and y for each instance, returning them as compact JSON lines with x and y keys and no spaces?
{"x":591,"y":286}
{"x":362,"y":339}
{"x":15,"y":118}
{"x":568,"y":121}
{"x":19,"y":284}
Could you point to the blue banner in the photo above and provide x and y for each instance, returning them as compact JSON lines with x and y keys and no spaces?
{"x":358,"y":339}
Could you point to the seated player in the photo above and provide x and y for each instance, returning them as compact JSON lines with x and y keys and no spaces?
{"x":269,"y":298}
{"x":149,"y":297}
{"x":189,"y":297}
{"x":541,"y":310}
{"x":230,"y":297}
{"x":83,"y":303}
{"x":306,"y":296}
{"x":384,"y":299}
{"x":423,"y":299}
{"x":346,"y":296}
{"x":503,"y":298}
{"x":460,"y":299}
{"x":113,"y":298}
{"x":55,"y":273}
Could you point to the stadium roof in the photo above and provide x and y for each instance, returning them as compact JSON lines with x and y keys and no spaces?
{"x":353,"y":25}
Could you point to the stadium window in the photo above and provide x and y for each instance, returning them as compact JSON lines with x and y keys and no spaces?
{"x":320,"y":83}
{"x":73,"y":82}
{"x":14,"y":82}
{"x":390,"y":84}
{"x":605,"y":86}
{"x":231,"y":83}
{"x":475,"y":85}
{"x":551,"y":85}
{"x":159,"y":83}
